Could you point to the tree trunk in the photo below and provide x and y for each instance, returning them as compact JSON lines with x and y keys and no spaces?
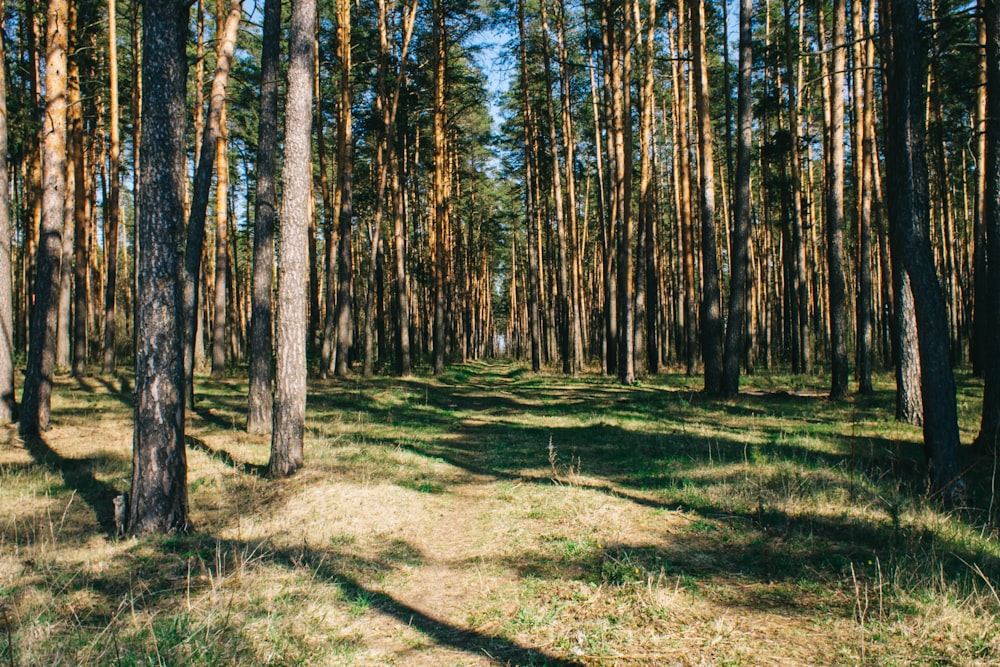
{"x":990,"y":426}
{"x":981,"y":347}
{"x":202,"y":186}
{"x":7,"y":403}
{"x":158,"y":500}
{"x":260,"y":399}
{"x":441,"y":196}
{"x":534,"y":325}
{"x":114,"y":204}
{"x":220,"y":290}
{"x":345,"y":169}
{"x":742,"y":203}
{"x":292,"y":318}
{"x":711,"y":315}
{"x":906,"y":168}
{"x":36,"y":399}
{"x":74,"y":157}
{"x":835,"y":208}
{"x":565,"y":345}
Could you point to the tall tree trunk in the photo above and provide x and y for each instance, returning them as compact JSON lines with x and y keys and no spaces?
{"x":220,"y":292}
{"x":862,"y":145}
{"x":835,"y":207}
{"x":622,"y":199}
{"x":711,"y":315}
{"x":74,"y":157}
{"x":741,"y":221}
{"x":7,"y":401}
{"x":345,"y":169}
{"x":684,"y":205}
{"x":80,"y":222}
{"x":533,"y":288}
{"x":202,"y":185}
{"x":990,"y":426}
{"x":260,"y":399}
{"x":441,"y":196}
{"x":803,"y":360}
{"x":291,"y":329}
{"x":158,"y":499}
{"x":36,"y":399}
{"x":114,"y":203}
{"x":646,"y":310}
{"x":981,"y":346}
{"x":906,"y":168}
{"x":563,"y":315}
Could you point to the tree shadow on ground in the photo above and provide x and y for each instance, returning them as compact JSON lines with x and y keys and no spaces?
{"x":223,"y":456}
{"x":78,"y":475}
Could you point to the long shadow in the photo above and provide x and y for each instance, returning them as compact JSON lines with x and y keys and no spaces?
{"x":500,"y":649}
{"x":78,"y":475}
{"x":224,"y":457}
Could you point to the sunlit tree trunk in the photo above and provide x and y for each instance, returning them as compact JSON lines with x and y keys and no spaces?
{"x":292,"y":318}
{"x":202,"y":185}
{"x":74,"y":157}
{"x":441,"y":196}
{"x":534,"y":326}
{"x":7,"y":401}
{"x":114,"y":204}
{"x":36,"y":399}
{"x":345,"y":170}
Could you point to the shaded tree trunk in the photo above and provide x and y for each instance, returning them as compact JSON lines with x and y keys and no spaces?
{"x":292,"y":318}
{"x":345,"y":170}
{"x":260,"y":399}
{"x":741,"y":220}
{"x":990,"y":425}
{"x":534,"y":324}
{"x":711,"y":309}
{"x":835,"y":208}
{"x":158,"y":499}
{"x":906,"y":169}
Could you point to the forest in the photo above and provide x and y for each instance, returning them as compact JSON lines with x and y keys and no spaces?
{"x":693,"y":302}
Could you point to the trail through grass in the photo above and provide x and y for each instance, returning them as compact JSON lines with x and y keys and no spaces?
{"x":492,"y":516}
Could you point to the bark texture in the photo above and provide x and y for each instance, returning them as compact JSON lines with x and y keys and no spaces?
{"x":292,"y":318}
{"x":158,"y":501}
{"x":7,"y":403}
{"x":259,"y":399}
{"x":908,"y":202}
{"x":36,"y":400}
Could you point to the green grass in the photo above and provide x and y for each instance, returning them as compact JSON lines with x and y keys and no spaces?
{"x":534,"y":518}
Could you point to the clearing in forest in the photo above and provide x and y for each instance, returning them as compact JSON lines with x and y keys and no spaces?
{"x":492,"y":516}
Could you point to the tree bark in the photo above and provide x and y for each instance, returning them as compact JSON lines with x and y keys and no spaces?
{"x":74,"y":157}
{"x":980,"y":315}
{"x":906,"y":168}
{"x":7,"y":402}
{"x":345,"y":170}
{"x":158,"y":500}
{"x":36,"y":399}
{"x":534,"y":325}
{"x":292,"y":318}
{"x":711,"y":310}
{"x":835,"y":208}
{"x":441,"y":205}
{"x":260,"y":399}
{"x":742,"y":204}
{"x":202,"y":185}
{"x":990,"y":426}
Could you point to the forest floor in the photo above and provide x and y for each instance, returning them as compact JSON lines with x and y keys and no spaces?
{"x":492,"y":516}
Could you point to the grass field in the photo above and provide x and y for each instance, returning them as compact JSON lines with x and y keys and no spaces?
{"x":493,"y":516}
